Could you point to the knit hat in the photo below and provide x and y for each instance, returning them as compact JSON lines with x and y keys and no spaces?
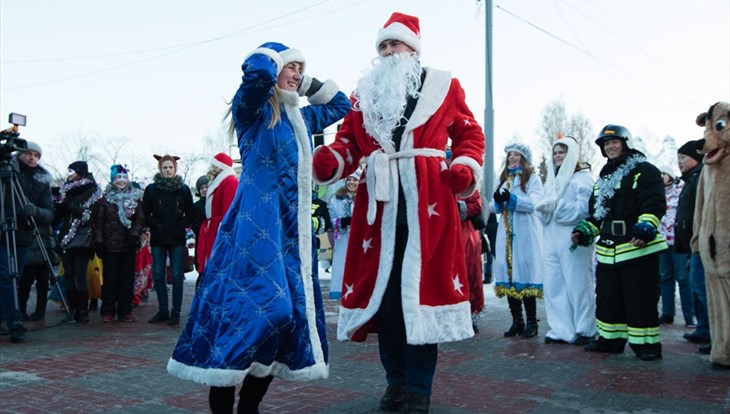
{"x":32,"y":146}
{"x":521,"y":149}
{"x":201,"y":181}
{"x":222,"y":161}
{"x":280,"y":54}
{"x":401,"y":27}
{"x":166,"y":157}
{"x":691,"y":148}
{"x":118,"y":172}
{"x":79,"y":167}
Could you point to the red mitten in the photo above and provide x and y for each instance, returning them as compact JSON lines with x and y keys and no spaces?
{"x":460,"y":176}
{"x":324,"y":164}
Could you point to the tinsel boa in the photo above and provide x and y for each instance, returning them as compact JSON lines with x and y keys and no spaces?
{"x":126,"y":201}
{"x":86,"y":206}
{"x":607,"y":185}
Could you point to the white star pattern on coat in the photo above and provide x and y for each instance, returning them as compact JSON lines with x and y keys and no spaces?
{"x":432,"y":210}
{"x":457,"y":284}
{"x":366,"y":244}
{"x":348,"y":289}
{"x":467,"y":122}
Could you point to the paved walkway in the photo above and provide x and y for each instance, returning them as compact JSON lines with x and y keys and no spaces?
{"x":120,"y":368}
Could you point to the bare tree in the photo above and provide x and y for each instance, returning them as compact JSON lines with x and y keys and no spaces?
{"x":187,"y":164}
{"x":580,"y":128}
{"x":556,"y":120}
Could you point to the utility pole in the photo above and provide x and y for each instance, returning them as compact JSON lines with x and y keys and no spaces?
{"x":488,"y":182}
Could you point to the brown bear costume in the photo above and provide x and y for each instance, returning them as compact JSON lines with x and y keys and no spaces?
{"x":712,"y":227}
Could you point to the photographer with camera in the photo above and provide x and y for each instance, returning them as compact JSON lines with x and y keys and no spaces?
{"x":34,"y":182}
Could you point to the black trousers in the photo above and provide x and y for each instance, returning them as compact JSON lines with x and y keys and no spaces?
{"x":118,"y":288}
{"x":222,"y":399}
{"x":626,"y":305}
{"x":37,"y":274}
{"x":410,"y":365}
{"x":74,"y":276}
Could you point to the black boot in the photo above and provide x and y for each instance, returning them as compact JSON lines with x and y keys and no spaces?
{"x":82,"y":306}
{"x":393,"y":399}
{"x":251,"y":393}
{"x":417,"y":404}
{"x":531,"y":313}
{"x":221,"y":400}
{"x":518,"y":324}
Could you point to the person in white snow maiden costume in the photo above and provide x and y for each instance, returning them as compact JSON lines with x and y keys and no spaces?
{"x":258,"y":313}
{"x":518,"y":264}
{"x":567,"y":268}
{"x":405,"y":273}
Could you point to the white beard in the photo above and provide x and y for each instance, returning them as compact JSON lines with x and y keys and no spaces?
{"x":382,"y":94}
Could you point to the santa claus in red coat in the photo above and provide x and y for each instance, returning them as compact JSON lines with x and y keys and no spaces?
{"x":407,"y":185}
{"x":221,"y":191}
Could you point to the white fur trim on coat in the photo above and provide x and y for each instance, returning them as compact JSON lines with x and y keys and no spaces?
{"x":476,"y":169}
{"x":338,"y":172}
{"x":271,"y":53}
{"x":325,"y":94}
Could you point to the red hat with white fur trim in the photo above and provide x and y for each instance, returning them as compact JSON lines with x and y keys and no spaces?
{"x":222,"y":161}
{"x":401,"y":27}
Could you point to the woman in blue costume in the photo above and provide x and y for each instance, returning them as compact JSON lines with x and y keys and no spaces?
{"x":257,"y":313}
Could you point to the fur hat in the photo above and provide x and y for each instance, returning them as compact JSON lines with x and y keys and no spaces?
{"x":691,"y":149}
{"x":280,"y":54}
{"x":166,"y":157}
{"x":79,"y":167}
{"x":32,"y":146}
{"x":401,"y":27}
{"x":222,"y":161}
{"x":521,"y":149}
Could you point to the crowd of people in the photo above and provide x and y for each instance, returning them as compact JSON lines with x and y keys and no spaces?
{"x":408,"y":229}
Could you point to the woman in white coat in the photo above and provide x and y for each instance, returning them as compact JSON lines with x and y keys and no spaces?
{"x":568,"y":270}
{"x":340,"y":209}
{"x":518,"y":257}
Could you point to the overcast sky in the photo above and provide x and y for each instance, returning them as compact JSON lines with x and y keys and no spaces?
{"x":159,"y":73}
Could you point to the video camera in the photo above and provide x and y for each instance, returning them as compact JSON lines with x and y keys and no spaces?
{"x":10,"y":140}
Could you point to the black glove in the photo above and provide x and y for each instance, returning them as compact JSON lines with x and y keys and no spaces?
{"x":501,"y":197}
{"x":132,"y":242}
{"x":29,"y":209}
{"x":345,"y":222}
{"x":99,"y":249}
{"x":583,"y":239}
{"x":309,"y":86}
{"x":644,"y":231}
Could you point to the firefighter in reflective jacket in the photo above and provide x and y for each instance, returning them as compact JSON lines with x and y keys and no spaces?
{"x":625,"y":209}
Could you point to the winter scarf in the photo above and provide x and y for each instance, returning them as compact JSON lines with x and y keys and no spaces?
{"x":126,"y":201}
{"x":168,"y":184}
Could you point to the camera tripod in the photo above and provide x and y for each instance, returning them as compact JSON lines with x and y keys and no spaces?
{"x":11,"y":192}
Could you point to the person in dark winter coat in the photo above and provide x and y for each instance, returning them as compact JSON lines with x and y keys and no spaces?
{"x":168,"y":209}
{"x":117,"y":229}
{"x":75,"y":210}
{"x":690,"y":165}
{"x":625,"y":209}
{"x":34,"y":182}
{"x":201,"y":190}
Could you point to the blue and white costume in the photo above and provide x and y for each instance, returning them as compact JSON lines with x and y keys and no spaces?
{"x":258,"y":309}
